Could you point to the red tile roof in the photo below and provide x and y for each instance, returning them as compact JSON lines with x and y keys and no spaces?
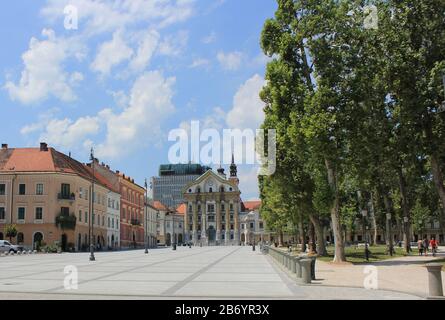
{"x":158,"y":205}
{"x":252,"y":205}
{"x":35,"y":160}
{"x":181,"y":209}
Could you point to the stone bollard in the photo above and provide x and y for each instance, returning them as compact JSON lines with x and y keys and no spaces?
{"x":293,"y":267}
{"x":11,"y":253}
{"x":306,"y":270}
{"x":435,"y":279}
{"x":314,"y":259}
{"x":298,"y":266}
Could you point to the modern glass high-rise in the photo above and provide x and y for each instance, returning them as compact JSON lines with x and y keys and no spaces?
{"x":167,"y":188}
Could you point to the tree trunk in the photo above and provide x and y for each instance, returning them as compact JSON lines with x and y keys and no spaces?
{"x":280,"y":238}
{"x":302,"y":236}
{"x":438,"y":180}
{"x":335,"y":214}
{"x":406,"y":210}
{"x":321,"y":247}
{"x":373,"y":221}
{"x":312,"y":245}
{"x":389,"y":237}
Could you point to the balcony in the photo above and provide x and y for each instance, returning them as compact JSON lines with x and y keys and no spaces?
{"x":65,"y":196}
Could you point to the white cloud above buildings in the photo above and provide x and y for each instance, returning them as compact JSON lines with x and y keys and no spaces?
{"x":43,"y":75}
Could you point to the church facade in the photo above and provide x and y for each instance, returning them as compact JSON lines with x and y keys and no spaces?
{"x":213,"y":206}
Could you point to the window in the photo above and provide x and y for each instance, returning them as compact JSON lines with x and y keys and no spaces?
{"x":86,"y":217}
{"x":80,"y":215}
{"x":2,"y":213}
{"x":231,"y":207}
{"x":22,"y":189}
{"x":109,"y":222}
{"x":231,"y":227}
{"x":65,"y":190}
{"x":261,"y":225}
{"x":80,"y":192}
{"x":117,"y":224}
{"x":39,"y":213}
{"x":93,"y":218}
{"x":211,"y":208}
{"x":39,"y":189}
{"x":2,"y":189}
{"x":112,"y":223}
{"x":21,"y":213}
{"x":242,"y":226}
{"x":251,"y":225}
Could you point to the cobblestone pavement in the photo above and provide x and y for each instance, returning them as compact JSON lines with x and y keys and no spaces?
{"x":196,"y":273}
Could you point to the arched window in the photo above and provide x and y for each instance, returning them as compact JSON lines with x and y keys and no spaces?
{"x":221,"y":189}
{"x":20,"y":237}
{"x":198,"y":190}
{"x":210,"y":190}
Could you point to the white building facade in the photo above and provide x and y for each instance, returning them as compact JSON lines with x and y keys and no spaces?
{"x":113,"y":220}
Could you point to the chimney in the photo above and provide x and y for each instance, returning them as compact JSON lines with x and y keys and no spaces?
{"x":4,"y":146}
{"x":117,"y":171}
{"x":43,"y":146}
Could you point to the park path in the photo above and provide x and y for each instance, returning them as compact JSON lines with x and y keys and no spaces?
{"x":402,"y":274}
{"x":196,"y":273}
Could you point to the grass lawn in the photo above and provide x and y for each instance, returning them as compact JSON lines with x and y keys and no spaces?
{"x":357,"y":255}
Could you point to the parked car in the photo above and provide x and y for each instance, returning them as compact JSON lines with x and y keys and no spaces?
{"x":6,"y":246}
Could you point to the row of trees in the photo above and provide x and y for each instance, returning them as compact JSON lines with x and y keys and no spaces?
{"x":356,"y":103}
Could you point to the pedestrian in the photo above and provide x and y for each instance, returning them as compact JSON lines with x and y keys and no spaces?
{"x":420,"y":247}
{"x":433,"y":244}
{"x":426,"y":245}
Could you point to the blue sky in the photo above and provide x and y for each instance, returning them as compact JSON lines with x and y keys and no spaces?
{"x":132,"y":71}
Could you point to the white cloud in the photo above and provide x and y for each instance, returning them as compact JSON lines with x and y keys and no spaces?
{"x":230,"y":61}
{"x":173,"y":45}
{"x":199,"y":63}
{"x":66,"y":133}
{"x":147,"y":44}
{"x":248,"y":176}
{"x":139,"y":123}
{"x":150,"y":103}
{"x":111,"y":54}
{"x":247,"y":110}
{"x":43,"y":75}
{"x":100,"y":16}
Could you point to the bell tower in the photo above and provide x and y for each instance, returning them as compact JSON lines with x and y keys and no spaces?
{"x":233,"y":171}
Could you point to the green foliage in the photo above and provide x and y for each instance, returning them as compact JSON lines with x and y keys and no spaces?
{"x":66,"y":222}
{"x":11,"y":230}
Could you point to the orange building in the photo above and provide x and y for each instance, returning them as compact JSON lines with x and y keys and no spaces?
{"x":41,"y":186}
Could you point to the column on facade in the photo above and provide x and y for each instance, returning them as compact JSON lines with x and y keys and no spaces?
{"x":236,"y":235}
{"x":186,"y":223}
{"x":227,"y":233}
{"x":204,"y":222}
{"x":218,"y":221}
{"x":195,"y":222}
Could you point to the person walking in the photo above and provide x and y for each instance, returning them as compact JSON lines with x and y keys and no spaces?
{"x":433,"y":244}
{"x":420,"y":247}
{"x":425,"y":246}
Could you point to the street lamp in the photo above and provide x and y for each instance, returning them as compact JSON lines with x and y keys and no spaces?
{"x":145,"y":216}
{"x":91,"y":225}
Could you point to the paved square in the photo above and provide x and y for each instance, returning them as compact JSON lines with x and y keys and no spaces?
{"x":196,"y":273}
